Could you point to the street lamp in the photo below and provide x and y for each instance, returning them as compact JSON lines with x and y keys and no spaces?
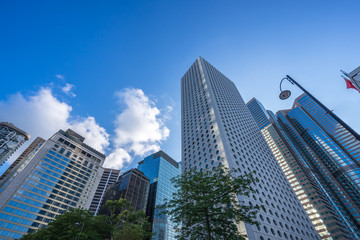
{"x":286,"y":94}
{"x":77,"y":224}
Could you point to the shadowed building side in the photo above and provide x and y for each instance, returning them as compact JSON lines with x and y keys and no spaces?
{"x":133,"y":186}
{"x":108,"y":177}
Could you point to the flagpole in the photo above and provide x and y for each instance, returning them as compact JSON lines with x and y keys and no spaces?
{"x":355,"y":134}
{"x":357,"y":87}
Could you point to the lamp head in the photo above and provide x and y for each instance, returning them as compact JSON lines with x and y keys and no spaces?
{"x":284,"y":94}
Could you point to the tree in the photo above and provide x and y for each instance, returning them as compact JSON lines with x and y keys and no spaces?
{"x":122,"y":223}
{"x":206,"y":205}
{"x":74,"y":224}
{"x":127,"y":224}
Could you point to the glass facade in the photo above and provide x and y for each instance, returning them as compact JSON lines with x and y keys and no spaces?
{"x":61,"y":175}
{"x":326,"y":212}
{"x":342,"y":137}
{"x":20,"y":162}
{"x":310,"y":129}
{"x":11,"y":138}
{"x":160,"y":169}
{"x":257,"y":110}
{"x":133,"y":186}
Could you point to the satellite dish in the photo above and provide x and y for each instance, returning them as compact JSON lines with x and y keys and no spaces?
{"x":285,"y":94}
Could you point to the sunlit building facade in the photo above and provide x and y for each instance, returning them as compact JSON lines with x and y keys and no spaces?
{"x":326,"y":212}
{"x":62,"y":174}
{"x":217,"y":128}
{"x":11,"y":138}
{"x":160,"y":169}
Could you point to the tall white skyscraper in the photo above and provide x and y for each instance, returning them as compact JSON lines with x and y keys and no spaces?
{"x":217,"y":127}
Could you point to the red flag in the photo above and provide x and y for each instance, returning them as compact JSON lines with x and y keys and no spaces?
{"x":349,"y":84}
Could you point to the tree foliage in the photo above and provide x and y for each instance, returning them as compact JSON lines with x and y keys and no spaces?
{"x":206,"y":205}
{"x":74,"y":224}
{"x":77,"y":224}
{"x":127,"y":224}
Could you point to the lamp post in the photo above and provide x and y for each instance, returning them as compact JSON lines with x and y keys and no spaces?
{"x":285,"y":94}
{"x":80,"y":229}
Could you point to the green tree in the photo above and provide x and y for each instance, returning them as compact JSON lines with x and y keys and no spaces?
{"x":126,"y":223}
{"x":206,"y":205}
{"x":121,"y":223}
{"x":74,"y":224}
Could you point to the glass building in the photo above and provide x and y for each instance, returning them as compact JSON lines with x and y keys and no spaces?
{"x":160,"y":169}
{"x":62,"y":174}
{"x":324,"y":142}
{"x":133,"y":186}
{"x":108,"y":177}
{"x":217,"y":128}
{"x":11,"y":138}
{"x":20,"y":162}
{"x":327,"y":213}
{"x":340,"y":135}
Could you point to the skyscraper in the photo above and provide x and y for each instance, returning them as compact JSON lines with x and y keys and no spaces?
{"x":20,"y":162}
{"x":326,"y":212}
{"x":11,"y":138}
{"x":61,"y":175}
{"x":108,"y":177}
{"x":217,"y":127}
{"x":133,"y":186}
{"x":160,"y":169}
{"x":331,"y":150}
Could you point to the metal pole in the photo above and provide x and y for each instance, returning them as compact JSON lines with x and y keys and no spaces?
{"x":80,"y":231}
{"x":356,"y":135}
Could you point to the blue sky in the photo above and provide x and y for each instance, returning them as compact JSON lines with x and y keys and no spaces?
{"x":112,"y":69}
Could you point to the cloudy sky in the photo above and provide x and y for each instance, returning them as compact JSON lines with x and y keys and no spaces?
{"x":111,"y":70}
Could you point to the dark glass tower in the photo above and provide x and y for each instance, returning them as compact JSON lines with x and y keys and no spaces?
{"x":133,"y":186}
{"x":326,"y":211}
{"x":160,"y":169}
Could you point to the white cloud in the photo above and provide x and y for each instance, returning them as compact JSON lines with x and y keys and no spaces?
{"x":95,"y":135}
{"x":117,"y":159}
{"x":139,"y":129}
{"x":59,"y":76}
{"x":67,"y":89}
{"x":42,"y":114}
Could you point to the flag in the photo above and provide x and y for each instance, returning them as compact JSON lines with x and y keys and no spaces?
{"x":349,"y":84}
